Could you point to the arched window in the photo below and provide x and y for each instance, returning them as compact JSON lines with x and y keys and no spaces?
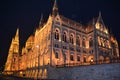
{"x":56,"y":34}
{"x":78,"y":40}
{"x":64,"y":57}
{"x":71,"y":58}
{"x":84,"y":59}
{"x":91,"y":42}
{"x":64,"y":37}
{"x":71,"y":39}
{"x":83,"y":42}
{"x":78,"y":58}
{"x":56,"y":55}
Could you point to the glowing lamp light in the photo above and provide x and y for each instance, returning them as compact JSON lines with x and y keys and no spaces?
{"x":106,"y":31}
{"x":37,"y":46}
{"x":91,"y":60}
{"x":20,"y":72}
{"x":59,"y":40}
{"x":97,"y":26}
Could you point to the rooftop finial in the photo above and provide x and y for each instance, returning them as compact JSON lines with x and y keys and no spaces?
{"x":99,"y":13}
{"x":41,"y":20}
{"x":55,"y":8}
{"x":100,"y":18}
{"x":17,"y":32}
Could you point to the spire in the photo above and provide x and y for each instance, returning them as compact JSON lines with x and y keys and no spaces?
{"x":99,"y":13}
{"x":100,"y":20}
{"x":17,"y":35}
{"x":93,"y":21}
{"x":17,"y":32}
{"x":55,"y":9}
{"x":41,"y":20}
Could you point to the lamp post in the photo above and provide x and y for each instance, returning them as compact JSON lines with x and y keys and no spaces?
{"x":91,"y":61}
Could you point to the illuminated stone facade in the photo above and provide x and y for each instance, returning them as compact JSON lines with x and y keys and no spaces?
{"x":61,"y":42}
{"x":13,"y":55}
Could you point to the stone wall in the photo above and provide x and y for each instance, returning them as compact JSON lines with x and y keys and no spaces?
{"x":92,"y":72}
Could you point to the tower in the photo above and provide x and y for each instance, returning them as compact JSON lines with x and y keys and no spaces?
{"x":103,"y":41}
{"x":13,"y":55}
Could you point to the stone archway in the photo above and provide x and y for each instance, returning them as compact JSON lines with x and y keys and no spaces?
{"x":101,"y":59}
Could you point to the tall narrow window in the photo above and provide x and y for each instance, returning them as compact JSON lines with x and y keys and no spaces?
{"x":64,"y":37}
{"x":78,"y":40}
{"x":64,"y":56}
{"x":78,"y":58}
{"x":56,"y":34}
{"x":91,"y":42}
{"x":71,"y":39}
{"x":56,"y":55}
{"x":83,"y":42}
{"x":84,"y":59}
{"x":71,"y":58}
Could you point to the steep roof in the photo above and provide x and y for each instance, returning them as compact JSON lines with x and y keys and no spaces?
{"x":72,"y":24}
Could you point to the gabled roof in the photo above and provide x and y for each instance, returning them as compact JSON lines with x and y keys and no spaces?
{"x":71,"y":23}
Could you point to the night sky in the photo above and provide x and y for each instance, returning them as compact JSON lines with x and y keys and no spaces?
{"x":25,"y":15}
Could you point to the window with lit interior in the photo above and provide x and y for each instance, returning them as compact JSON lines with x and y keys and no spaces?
{"x":56,"y":34}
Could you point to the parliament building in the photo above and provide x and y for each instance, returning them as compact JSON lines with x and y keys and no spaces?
{"x":61,"y":42}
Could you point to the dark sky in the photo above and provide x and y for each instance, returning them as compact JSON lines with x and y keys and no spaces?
{"x":25,"y":14}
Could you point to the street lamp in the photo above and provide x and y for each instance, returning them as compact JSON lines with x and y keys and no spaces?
{"x":91,"y":61}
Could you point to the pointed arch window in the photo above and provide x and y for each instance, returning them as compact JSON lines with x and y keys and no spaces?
{"x":78,"y":58}
{"x":71,"y":57}
{"x":71,"y":39}
{"x":91,"y":42}
{"x":56,"y":55}
{"x":84,"y":59}
{"x":83,"y":42}
{"x":78,"y":40}
{"x":64,"y":56}
{"x":64,"y":37}
{"x":57,"y":34}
